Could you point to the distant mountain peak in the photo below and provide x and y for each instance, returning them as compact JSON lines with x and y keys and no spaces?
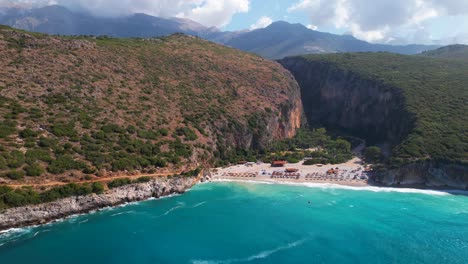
{"x":285,"y":24}
{"x":278,"y":40}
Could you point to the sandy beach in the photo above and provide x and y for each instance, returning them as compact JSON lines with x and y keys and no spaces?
{"x":351,"y":173}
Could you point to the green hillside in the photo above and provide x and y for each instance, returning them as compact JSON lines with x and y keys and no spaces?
{"x":435,"y":91}
{"x":459,"y":52}
{"x":71,"y":107}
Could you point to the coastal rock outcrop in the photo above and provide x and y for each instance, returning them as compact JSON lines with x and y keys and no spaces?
{"x":43,"y":213}
{"x":430,"y":174}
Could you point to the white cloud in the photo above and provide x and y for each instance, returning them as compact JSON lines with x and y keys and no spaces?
{"x":313,"y":27}
{"x":208,"y":12}
{"x":262,"y":22}
{"x":382,"y":20}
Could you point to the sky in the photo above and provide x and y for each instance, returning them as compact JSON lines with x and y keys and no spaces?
{"x":376,"y":21}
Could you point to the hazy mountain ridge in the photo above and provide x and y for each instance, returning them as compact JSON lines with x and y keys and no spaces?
{"x":278,"y":40}
{"x":282,"y":39}
{"x":59,"y":20}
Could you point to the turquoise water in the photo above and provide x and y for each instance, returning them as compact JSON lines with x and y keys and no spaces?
{"x":256,"y":223}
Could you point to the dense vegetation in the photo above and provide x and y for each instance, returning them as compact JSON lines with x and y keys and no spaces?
{"x":79,"y":105}
{"x":458,"y":52}
{"x":316,"y":144}
{"x":435,"y":91}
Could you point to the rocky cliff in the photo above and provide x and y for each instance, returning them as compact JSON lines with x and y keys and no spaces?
{"x":394,"y":101}
{"x":342,"y":100}
{"x":43,"y":213}
{"x":428,"y":173}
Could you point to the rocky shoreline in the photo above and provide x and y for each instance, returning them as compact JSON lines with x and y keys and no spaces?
{"x":45,"y":213}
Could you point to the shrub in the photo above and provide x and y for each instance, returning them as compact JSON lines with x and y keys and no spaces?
{"x":188,"y":133}
{"x":15,"y":159}
{"x":292,"y":160}
{"x":98,"y":187}
{"x":34,"y":170}
{"x":33,"y":155}
{"x":373,"y":154}
{"x":7,"y":128}
{"x":164,"y":132}
{"x":28,"y":133}
{"x":143,"y":179}
{"x":64,"y":163}
{"x":3,"y":163}
{"x":15,"y":174}
{"x":314,"y":161}
{"x":64,"y":130}
{"x":118,"y":183}
{"x":46,"y":142}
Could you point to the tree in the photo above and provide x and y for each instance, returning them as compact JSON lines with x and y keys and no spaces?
{"x":373,"y":154}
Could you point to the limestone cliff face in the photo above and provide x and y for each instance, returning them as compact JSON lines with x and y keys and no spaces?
{"x":43,"y":213}
{"x":344,"y":101}
{"x":280,"y":122}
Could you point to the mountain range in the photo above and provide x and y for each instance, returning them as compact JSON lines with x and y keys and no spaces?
{"x":278,"y":40}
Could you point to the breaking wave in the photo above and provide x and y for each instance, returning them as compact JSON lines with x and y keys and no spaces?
{"x":260,"y":255}
{"x":332,"y":186}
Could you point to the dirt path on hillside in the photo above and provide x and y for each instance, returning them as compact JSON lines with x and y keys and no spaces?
{"x":102,"y":179}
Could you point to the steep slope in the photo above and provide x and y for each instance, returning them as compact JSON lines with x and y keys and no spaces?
{"x":61,"y":21}
{"x":282,"y":39}
{"x":84,"y":104}
{"x":459,"y":52}
{"x":415,"y":105}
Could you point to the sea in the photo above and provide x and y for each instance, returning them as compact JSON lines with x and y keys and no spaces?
{"x":245,"y":222}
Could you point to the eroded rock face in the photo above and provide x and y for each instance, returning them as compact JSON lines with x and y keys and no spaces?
{"x":430,"y":174}
{"x":43,"y":213}
{"x":342,"y":100}
{"x":280,"y":123}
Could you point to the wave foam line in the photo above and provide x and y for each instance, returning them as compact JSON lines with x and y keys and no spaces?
{"x":198,"y":204}
{"x":261,"y":255}
{"x":121,"y":213}
{"x":14,"y":231}
{"x":353,"y":188}
{"x":169,"y":211}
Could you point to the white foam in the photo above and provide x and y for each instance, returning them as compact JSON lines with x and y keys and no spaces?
{"x":121,"y":213}
{"x":13,"y":231}
{"x":198,"y":204}
{"x":169,"y":211}
{"x":260,"y":255}
{"x":327,"y":186}
{"x":84,"y":221}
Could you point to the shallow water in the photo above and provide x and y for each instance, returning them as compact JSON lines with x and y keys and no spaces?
{"x":227,"y":222}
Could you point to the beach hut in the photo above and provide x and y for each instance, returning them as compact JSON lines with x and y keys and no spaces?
{"x":278,"y":163}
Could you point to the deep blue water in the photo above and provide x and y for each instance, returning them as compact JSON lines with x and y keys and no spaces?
{"x":256,"y":223}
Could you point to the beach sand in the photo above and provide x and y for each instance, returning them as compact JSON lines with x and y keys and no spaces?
{"x":349,"y":173}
